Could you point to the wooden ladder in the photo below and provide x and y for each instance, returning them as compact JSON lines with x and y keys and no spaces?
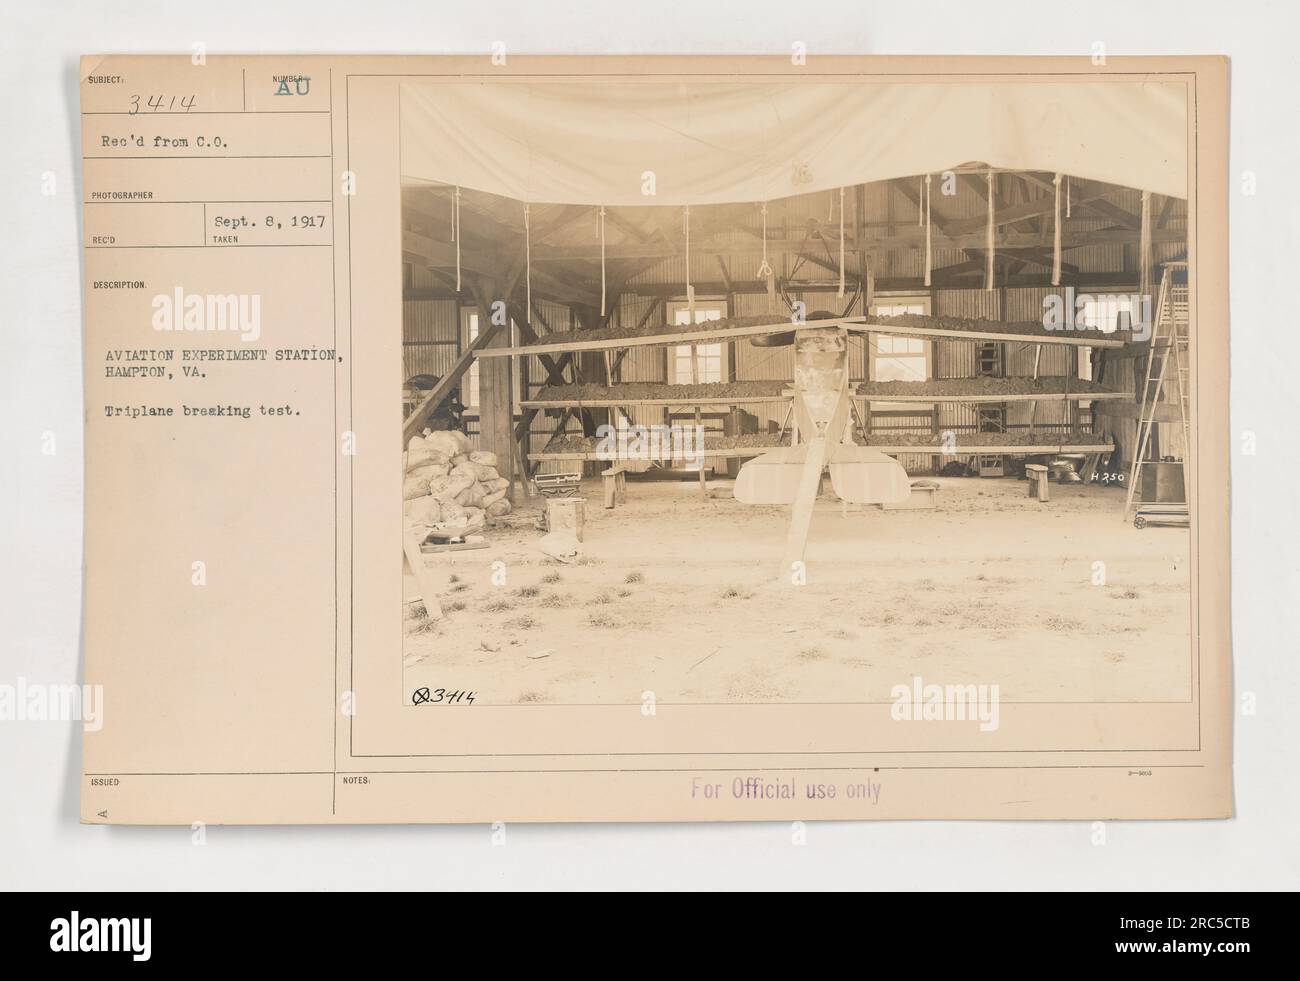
{"x":1169,"y":343}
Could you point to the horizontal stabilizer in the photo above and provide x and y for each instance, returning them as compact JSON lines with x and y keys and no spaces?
{"x":861,"y":475}
{"x":772,"y":478}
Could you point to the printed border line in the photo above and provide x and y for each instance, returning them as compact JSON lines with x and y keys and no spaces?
{"x":724,"y":769}
{"x":1193,"y":654}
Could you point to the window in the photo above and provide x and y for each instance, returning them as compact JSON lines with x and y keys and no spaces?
{"x":708,"y":364}
{"x":896,"y":357}
{"x":991,"y":418}
{"x":1103,"y":314}
{"x":893,"y":307}
{"x":900,"y":358}
{"x":469,"y":386}
{"x":710,"y":358}
{"x":988,"y":360}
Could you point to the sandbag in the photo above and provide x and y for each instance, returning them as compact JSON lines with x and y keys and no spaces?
{"x":460,"y":459}
{"x":416,"y":458}
{"x":470,"y":520}
{"x":462,"y":441}
{"x":465,"y":469}
{"x":484,"y":458}
{"x":428,"y":471}
{"x":455,"y":486}
{"x":442,"y":442}
{"x":423,"y":511}
{"x":499,"y":508}
{"x":452,"y":514}
{"x":501,"y":483}
{"x":483,"y":473}
{"x":414,"y":487}
{"x":471,"y":497}
{"x":492,"y":498}
{"x":416,"y":443}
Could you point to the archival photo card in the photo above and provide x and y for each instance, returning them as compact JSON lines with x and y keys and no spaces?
{"x":762,"y":438}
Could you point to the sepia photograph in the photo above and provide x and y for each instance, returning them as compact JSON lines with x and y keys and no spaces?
{"x":755,"y":392}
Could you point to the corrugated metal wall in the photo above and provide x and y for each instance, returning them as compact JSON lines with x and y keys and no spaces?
{"x":429,"y":341}
{"x":957,"y":359}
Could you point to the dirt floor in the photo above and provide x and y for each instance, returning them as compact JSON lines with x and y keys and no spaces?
{"x":679,"y":596}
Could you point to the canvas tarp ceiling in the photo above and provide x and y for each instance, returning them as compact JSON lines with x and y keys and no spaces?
{"x":713,"y":143}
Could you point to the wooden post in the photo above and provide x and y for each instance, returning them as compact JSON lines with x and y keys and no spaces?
{"x":936,"y":414}
{"x":1033,"y":405}
{"x":521,"y":461}
{"x":428,"y":588}
{"x":1071,"y":373}
{"x":869,"y":348}
{"x":522,"y":432}
{"x":1144,"y":246}
{"x":496,"y":405}
{"x":695,"y":380}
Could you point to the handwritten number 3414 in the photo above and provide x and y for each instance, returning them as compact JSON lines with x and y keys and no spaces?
{"x":441,"y":696}
{"x":162,"y":103}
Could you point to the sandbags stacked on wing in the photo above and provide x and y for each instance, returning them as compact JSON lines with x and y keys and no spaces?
{"x":450,"y":488}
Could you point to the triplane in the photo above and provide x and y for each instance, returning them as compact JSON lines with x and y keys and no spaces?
{"x":822,"y":438}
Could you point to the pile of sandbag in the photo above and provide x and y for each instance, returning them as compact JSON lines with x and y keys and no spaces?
{"x":449,"y":488}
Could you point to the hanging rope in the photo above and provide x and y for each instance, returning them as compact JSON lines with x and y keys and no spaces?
{"x":920,"y":207}
{"x":840,"y":294}
{"x":1067,"y":197}
{"x":764,"y":267}
{"x":926,"y":192}
{"x":455,"y":235}
{"x":602,"y":260}
{"x":690,"y":292}
{"x":1056,"y":234}
{"x":528,"y":269}
{"x":988,"y":236}
{"x":1144,"y":245}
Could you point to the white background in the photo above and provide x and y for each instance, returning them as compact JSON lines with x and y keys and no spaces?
{"x":42,"y":845}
